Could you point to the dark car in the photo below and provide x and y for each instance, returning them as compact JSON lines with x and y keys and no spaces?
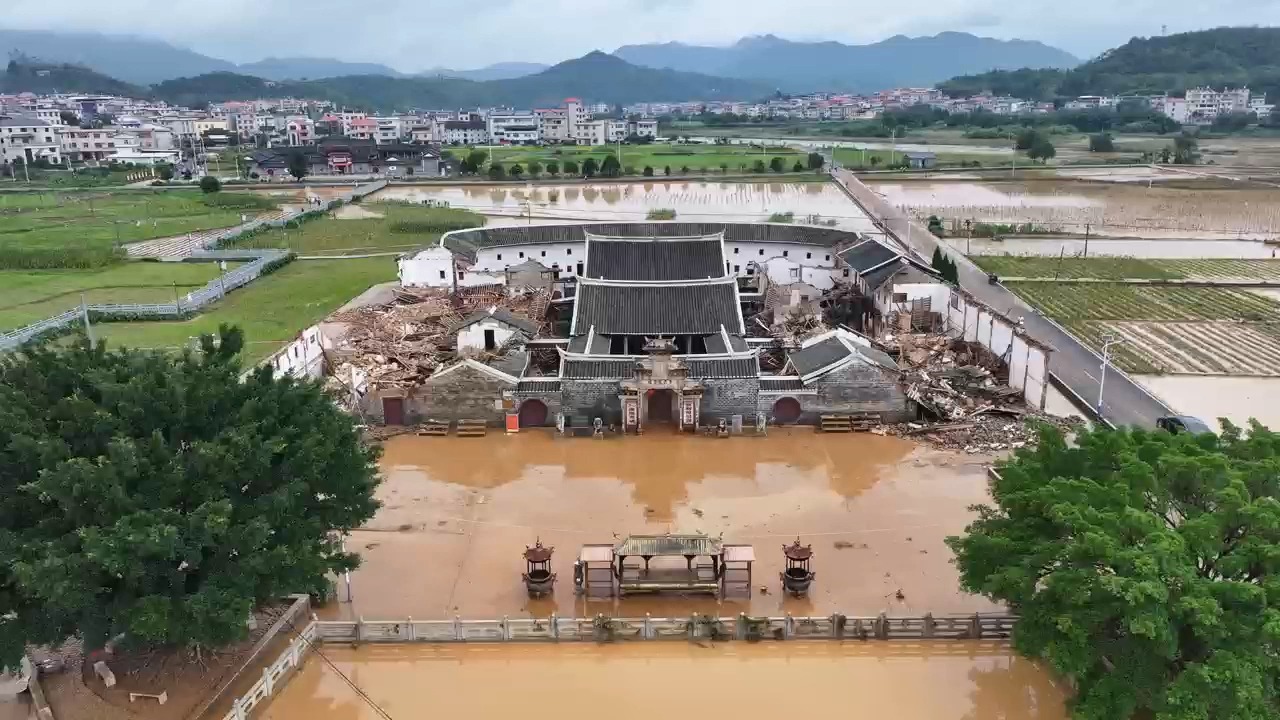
{"x":1183,"y":423}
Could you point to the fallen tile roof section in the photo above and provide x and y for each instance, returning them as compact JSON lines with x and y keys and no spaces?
{"x":819,"y":355}
{"x":698,"y":309}
{"x":649,"y":260}
{"x":866,"y":255}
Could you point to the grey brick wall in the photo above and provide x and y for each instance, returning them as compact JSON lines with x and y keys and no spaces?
{"x":722,"y":399}
{"x":592,"y":399}
{"x":858,"y":388}
{"x":463,"y":394}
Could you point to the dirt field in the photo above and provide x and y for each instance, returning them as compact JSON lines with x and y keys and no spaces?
{"x":458,"y":513}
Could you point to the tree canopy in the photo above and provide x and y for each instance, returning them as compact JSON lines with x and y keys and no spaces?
{"x":160,"y":496}
{"x":297,"y":164}
{"x":1144,"y":566}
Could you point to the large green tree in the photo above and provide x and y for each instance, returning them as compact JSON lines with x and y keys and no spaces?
{"x":160,"y":496}
{"x":610,"y":167}
{"x":1144,"y":566}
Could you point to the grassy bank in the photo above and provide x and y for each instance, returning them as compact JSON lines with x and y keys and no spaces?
{"x":272,"y":310}
{"x":697,"y":158}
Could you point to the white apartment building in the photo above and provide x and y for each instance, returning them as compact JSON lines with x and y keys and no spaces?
{"x":1259,"y":107}
{"x":86,"y":145}
{"x":465,"y":132}
{"x":28,"y":139}
{"x":361,"y":128}
{"x":300,"y":131}
{"x":514,"y":128}
{"x":347,"y":118}
{"x":388,"y":130}
{"x":1205,"y":104}
{"x":422,"y":134}
{"x":643,"y":128}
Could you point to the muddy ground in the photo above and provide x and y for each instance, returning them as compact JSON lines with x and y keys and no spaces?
{"x":459,"y":512}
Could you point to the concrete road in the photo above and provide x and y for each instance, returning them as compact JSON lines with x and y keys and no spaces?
{"x":1079,"y":368}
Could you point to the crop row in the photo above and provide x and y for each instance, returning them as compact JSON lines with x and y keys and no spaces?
{"x":1100,"y":268}
{"x":1110,"y":301}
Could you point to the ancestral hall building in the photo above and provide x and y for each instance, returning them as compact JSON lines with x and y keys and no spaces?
{"x":656,"y":332}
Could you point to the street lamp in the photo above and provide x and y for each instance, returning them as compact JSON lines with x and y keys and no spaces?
{"x":1107,"y":341}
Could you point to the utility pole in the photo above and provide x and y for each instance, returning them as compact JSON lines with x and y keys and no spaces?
{"x":968,"y":243}
{"x":177,"y":304}
{"x":222,"y":282}
{"x":84,"y":314}
{"x":1107,"y":341}
{"x":1086,"y":239}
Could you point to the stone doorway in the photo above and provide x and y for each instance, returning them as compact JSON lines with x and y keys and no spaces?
{"x":661,"y":407}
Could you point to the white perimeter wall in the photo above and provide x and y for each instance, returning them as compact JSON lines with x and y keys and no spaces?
{"x":302,"y":358}
{"x":1028,"y":363}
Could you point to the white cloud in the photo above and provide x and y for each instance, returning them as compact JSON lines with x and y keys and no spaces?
{"x":417,"y":34}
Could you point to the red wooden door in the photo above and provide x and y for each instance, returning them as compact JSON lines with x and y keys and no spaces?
{"x":393,"y":410}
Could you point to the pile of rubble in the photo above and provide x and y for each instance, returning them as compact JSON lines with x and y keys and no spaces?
{"x":964,"y":388}
{"x":402,"y":343}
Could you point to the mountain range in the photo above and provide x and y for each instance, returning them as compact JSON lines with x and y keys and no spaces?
{"x":784,"y":64}
{"x":598,"y":76}
{"x":899,"y":61}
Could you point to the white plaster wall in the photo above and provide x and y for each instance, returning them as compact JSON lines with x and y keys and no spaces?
{"x":759,"y":252}
{"x":472,"y":337}
{"x":568,"y":255}
{"x":304,"y":357}
{"x":1028,"y":363}
{"x":432,"y":267}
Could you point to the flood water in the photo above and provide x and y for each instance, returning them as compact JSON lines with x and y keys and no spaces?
{"x":694,"y":201}
{"x":1210,"y":397}
{"x":903,"y":681}
{"x":1072,"y":247}
{"x":458,"y":512}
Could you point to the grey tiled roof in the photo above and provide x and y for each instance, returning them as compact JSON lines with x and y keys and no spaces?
{"x":877,"y":277}
{"x":598,"y":369}
{"x":715,"y":344}
{"x":599,"y":345}
{"x":866,"y":255}
{"x":819,"y":355}
{"x":466,"y":242}
{"x":623,"y":369}
{"x":655,"y":259}
{"x":657,"y":310}
{"x":500,"y":315}
{"x":780,"y":384}
{"x":538,"y":385}
{"x":735,"y":368}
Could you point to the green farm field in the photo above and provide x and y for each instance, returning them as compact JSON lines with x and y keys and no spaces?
{"x":272,"y":310}
{"x":86,"y":229}
{"x":30,"y":295}
{"x":698,"y":158}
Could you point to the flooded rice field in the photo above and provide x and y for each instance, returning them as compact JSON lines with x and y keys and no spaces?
{"x":1169,"y":248}
{"x":1210,"y":397}
{"x":695,"y":201}
{"x":904,"y":681}
{"x":457,"y":514}
{"x":1116,"y":209}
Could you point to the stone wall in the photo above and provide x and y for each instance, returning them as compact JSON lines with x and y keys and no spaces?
{"x":858,"y":388}
{"x":463,"y":393}
{"x":722,"y":399}
{"x":592,"y":398}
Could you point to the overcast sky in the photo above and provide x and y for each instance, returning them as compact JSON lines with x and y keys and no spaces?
{"x":413,"y":35}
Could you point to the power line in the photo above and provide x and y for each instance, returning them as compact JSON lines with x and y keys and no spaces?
{"x":312,"y":646}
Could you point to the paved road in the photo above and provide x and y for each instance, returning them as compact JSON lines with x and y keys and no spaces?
{"x":1079,"y":368}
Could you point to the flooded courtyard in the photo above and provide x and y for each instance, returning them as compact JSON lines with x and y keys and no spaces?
{"x":695,"y":201}
{"x":458,"y":513}
{"x":905,"y":681}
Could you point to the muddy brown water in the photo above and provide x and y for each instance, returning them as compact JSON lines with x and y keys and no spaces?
{"x":458,"y":512}
{"x":905,"y":681}
{"x":694,"y":201}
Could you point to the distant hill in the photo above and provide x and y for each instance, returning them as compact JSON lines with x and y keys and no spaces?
{"x":22,"y":75}
{"x":131,"y":59}
{"x":899,"y":61}
{"x":1172,"y":63}
{"x":310,"y":68}
{"x":496,"y":71}
{"x":597,"y":76}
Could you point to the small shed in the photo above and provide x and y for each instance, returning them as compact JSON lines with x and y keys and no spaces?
{"x":491,"y":329}
{"x":920,"y":160}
